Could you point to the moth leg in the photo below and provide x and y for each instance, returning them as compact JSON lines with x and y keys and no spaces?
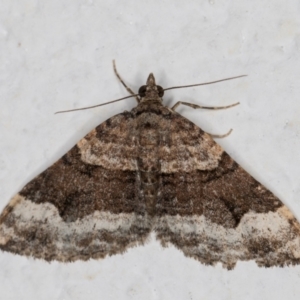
{"x":129,"y":90}
{"x":220,"y":135}
{"x":195,"y":106}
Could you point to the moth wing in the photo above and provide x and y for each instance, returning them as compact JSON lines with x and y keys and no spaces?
{"x":86,"y":205}
{"x":214,"y":211}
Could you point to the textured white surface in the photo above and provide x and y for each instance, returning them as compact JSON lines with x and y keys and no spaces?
{"x":57,"y":55}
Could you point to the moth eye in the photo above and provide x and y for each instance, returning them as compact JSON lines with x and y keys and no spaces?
{"x":160,"y":91}
{"x":142,"y":91}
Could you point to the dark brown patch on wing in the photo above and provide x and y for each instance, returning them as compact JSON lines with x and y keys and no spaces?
{"x":240,"y":193}
{"x":223,"y":195}
{"x":77,"y":189}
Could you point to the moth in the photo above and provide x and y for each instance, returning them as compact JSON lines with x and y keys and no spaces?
{"x":149,"y":170}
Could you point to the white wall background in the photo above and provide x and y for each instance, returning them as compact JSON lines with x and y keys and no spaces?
{"x":58,"y":55}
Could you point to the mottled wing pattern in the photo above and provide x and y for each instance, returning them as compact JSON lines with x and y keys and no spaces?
{"x":149,"y":169}
{"x":84,"y":206}
{"x":214,"y":211}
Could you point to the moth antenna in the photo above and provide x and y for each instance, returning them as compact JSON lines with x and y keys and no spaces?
{"x":88,"y":107}
{"x":205,"y":83}
{"x":122,"y":81}
{"x":135,"y":95}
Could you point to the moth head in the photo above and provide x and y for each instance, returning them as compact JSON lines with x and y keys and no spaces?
{"x":151,"y":91}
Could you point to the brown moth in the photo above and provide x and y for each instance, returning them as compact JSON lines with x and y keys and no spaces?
{"x":149,"y":170}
